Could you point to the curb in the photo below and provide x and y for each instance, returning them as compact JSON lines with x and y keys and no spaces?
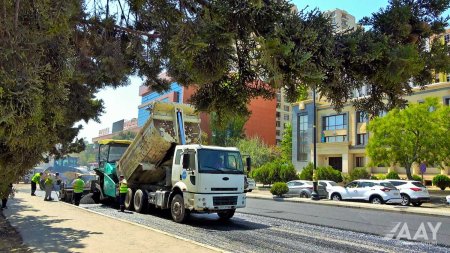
{"x":350,"y":206}
{"x":149,"y":228}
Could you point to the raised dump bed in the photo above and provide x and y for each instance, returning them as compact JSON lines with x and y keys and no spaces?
{"x":155,"y":142}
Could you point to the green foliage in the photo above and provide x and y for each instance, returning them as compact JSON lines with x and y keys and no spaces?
{"x":279,"y":189}
{"x":374,"y":177}
{"x":328,"y":173}
{"x":262,"y":175}
{"x":441,"y":181}
{"x":257,"y":150}
{"x":381,"y":176}
{"x":88,"y":155}
{"x":286,"y":143}
{"x":125,"y":135}
{"x":288,"y":172}
{"x":346,"y":178}
{"x":421,"y":127}
{"x":392,"y":175}
{"x":229,"y":133}
{"x":417,"y":178}
{"x":307,"y":172}
{"x":358,"y":173}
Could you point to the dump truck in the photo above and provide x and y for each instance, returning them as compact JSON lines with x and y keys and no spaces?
{"x":167,"y":167}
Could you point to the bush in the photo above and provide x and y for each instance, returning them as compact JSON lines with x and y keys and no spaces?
{"x":346,"y":178}
{"x":373,"y":177}
{"x":381,"y":176}
{"x":328,"y":173}
{"x":288,"y":172}
{"x":262,"y":174}
{"x":417,"y":178}
{"x":392,"y":175}
{"x":307,"y":172}
{"x":359,"y":173}
{"x":279,"y":188}
{"x":441,"y":181}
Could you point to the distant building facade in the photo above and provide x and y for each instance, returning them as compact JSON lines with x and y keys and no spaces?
{"x":341,"y":19}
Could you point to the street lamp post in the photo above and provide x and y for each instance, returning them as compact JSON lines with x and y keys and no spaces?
{"x":315,"y":193}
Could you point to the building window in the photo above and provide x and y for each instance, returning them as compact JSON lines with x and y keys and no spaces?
{"x":361,"y":139}
{"x":286,"y":117}
{"x":359,"y":161}
{"x":337,"y":138}
{"x":278,"y":123}
{"x":361,"y":117}
{"x":176,"y":97}
{"x":277,"y":132}
{"x":278,"y":105}
{"x":446,"y":101}
{"x":303,"y":150}
{"x":335,"y":122}
{"x":286,"y":108}
{"x":278,"y":115}
{"x":447,"y":38}
{"x":278,"y":97}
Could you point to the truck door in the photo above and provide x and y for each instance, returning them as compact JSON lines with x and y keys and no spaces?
{"x":189,"y":175}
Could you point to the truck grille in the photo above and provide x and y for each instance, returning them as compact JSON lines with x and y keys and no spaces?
{"x":224,"y":189}
{"x":225,"y":201}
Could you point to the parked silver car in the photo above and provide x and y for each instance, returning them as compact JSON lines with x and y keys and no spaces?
{"x":304,"y":189}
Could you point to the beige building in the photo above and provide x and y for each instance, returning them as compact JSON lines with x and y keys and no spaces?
{"x":342,"y":137}
{"x":283,"y":115}
{"x":341,"y":19}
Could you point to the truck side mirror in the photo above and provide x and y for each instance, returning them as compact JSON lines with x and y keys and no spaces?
{"x":249,"y":163}
{"x":186,"y":161}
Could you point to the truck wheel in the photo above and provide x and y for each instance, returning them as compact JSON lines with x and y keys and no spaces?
{"x":140,"y":201}
{"x":179,"y":213}
{"x":226,"y":215}
{"x":129,"y":199}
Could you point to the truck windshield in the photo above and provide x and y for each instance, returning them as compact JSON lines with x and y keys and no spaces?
{"x":116,"y":152}
{"x":220,"y":162}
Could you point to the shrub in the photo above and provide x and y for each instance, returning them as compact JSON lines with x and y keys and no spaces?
{"x":307,"y":172}
{"x":288,"y":172}
{"x":373,"y":177}
{"x":417,"y":178}
{"x":262,"y":174}
{"x":346,"y":178}
{"x":381,"y":176}
{"x":328,"y":173}
{"x":359,"y":173}
{"x":392,"y":175}
{"x":274,"y":171}
{"x":279,"y":188}
{"x":441,"y":181}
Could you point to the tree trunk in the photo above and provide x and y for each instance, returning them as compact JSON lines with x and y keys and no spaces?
{"x":408,"y":170}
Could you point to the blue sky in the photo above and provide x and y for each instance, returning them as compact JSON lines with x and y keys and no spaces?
{"x":122,"y":103}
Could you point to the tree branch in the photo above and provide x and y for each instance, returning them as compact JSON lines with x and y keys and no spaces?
{"x":16,"y":14}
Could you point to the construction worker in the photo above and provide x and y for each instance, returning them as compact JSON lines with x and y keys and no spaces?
{"x":48,"y":185}
{"x":35,"y":180}
{"x":123,"y":189}
{"x":78,"y":188}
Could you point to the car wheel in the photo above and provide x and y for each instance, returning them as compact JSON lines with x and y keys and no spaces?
{"x":376,"y":200}
{"x":405,"y":200}
{"x":417,"y":203}
{"x":250,"y":190}
{"x":303,"y":195}
{"x":226,"y":215}
{"x":336,"y":197}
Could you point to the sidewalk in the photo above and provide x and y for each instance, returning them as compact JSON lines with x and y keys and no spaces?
{"x":427,"y":209}
{"x":59,"y":227}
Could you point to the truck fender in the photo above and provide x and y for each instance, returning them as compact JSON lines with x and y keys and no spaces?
{"x":178,"y":188}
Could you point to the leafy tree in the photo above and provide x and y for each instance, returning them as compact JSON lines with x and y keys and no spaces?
{"x":286,"y":143}
{"x":229,"y":133}
{"x":125,"y":135}
{"x":307,"y":172}
{"x":88,"y":155}
{"x":409,"y":135}
{"x":257,"y":150}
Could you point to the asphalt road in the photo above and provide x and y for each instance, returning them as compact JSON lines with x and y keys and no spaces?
{"x":269,"y":226}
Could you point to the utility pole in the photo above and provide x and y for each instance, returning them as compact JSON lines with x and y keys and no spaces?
{"x":315,"y":193}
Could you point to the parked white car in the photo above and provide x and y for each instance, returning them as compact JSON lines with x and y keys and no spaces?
{"x":413,"y":192}
{"x":251,"y":184}
{"x":327,"y":184}
{"x":448,"y":199}
{"x":374,"y":191}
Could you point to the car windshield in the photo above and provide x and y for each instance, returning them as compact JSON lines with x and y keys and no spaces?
{"x":220,"y":162}
{"x":87,"y":178}
{"x":418,"y":184}
{"x":387,"y":185}
{"x":332,"y":183}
